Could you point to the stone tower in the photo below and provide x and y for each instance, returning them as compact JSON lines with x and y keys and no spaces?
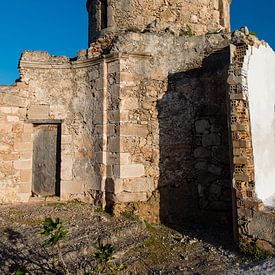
{"x":179,"y":16}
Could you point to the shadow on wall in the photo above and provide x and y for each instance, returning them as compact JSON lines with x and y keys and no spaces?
{"x":194,"y":183}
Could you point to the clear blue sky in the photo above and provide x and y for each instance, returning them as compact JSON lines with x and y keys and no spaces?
{"x":60,"y":27}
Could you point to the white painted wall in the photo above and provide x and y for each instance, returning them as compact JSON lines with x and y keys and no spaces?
{"x":261,"y":90}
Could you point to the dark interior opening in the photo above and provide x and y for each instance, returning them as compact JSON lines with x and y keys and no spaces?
{"x":104,"y":15}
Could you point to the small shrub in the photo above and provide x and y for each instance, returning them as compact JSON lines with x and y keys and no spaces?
{"x":253,"y":33}
{"x":104,"y":260}
{"x":55,"y":233}
{"x":104,"y":253}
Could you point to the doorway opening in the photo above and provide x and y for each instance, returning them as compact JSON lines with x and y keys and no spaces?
{"x":46,"y":159}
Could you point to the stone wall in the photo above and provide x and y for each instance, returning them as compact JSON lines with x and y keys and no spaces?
{"x":194,"y":161}
{"x":54,"y":90}
{"x":254,"y":221}
{"x":180,"y":17}
{"x":173,"y":127}
{"x":15,"y":144}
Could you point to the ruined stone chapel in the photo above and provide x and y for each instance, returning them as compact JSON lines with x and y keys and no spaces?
{"x":166,"y":112}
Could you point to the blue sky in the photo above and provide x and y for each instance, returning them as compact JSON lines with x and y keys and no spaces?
{"x":60,"y":27}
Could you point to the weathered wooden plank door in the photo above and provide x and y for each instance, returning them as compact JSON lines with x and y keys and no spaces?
{"x":46,"y":160}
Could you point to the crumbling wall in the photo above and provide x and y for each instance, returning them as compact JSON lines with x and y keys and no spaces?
{"x":254,"y":222}
{"x":53,"y":90}
{"x":180,"y":17}
{"x":172,"y":106}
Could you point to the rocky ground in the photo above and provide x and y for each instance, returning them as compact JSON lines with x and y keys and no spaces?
{"x":141,"y":247}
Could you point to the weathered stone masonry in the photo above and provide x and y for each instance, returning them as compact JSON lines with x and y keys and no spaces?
{"x":152,"y":118}
{"x":179,"y":17}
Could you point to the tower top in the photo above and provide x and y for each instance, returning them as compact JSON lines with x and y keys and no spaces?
{"x":196,"y":16}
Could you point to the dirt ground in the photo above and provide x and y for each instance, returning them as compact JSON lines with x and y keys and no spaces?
{"x":143,"y":248}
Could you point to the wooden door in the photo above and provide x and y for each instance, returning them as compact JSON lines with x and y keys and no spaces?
{"x":46,"y":160}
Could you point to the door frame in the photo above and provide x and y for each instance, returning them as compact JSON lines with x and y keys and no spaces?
{"x":57,"y":122}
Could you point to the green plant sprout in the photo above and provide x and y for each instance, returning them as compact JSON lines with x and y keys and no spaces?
{"x":104,"y":258}
{"x":55,"y":233}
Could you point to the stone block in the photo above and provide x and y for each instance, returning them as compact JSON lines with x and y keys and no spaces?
{"x":128,"y":129}
{"x":24,"y":197}
{"x":265,"y":246}
{"x":93,"y":74}
{"x":38,"y":112}
{"x":58,"y":112}
{"x":129,"y":103}
{"x":214,"y":169}
{"x":28,"y":128}
{"x":113,"y":144}
{"x":12,"y":118}
{"x":6,"y":167}
{"x":15,"y":110}
{"x":5,"y":148}
{"x":22,"y":112}
{"x":72,"y":187}
{"x":66,"y":168}
{"x":118,"y":158}
{"x":202,"y":152}
{"x":11,"y":156}
{"x":66,"y":139}
{"x":6,"y":127}
{"x":124,"y":116}
{"x":25,"y":187}
{"x":201,"y":165}
{"x":124,"y":158}
{"x":26,"y":155}
{"x":22,"y":164}
{"x":23,"y":146}
{"x":158,"y":74}
{"x":138,"y":185}
{"x":15,"y":100}
{"x":26,"y":137}
{"x":113,"y":67}
{"x":126,"y":77}
{"x":202,"y":126}
{"x":113,"y":116}
{"x":211,"y":140}
{"x":5,"y":110}
{"x":17,"y":127}
{"x":131,"y":197}
{"x":26,"y":175}
{"x":129,"y":171}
